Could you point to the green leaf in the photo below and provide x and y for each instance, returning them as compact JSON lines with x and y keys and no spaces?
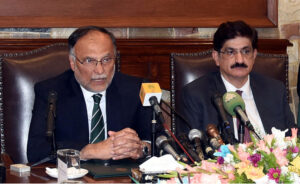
{"x":241,"y":179}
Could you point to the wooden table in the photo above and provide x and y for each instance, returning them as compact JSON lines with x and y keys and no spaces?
{"x":38,"y":175}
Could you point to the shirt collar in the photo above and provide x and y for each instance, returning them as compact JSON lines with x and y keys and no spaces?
{"x":89,"y":95}
{"x":245,"y":88}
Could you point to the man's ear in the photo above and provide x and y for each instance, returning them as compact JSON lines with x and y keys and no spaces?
{"x":216,"y":57}
{"x":72,"y":62}
{"x":254,"y":54}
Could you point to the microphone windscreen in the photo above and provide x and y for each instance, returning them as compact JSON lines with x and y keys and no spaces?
{"x":160,"y":140}
{"x":195,"y":133}
{"x":149,"y":90}
{"x":231,"y":100}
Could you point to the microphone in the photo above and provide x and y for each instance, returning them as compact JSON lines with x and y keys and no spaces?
{"x":52,"y":97}
{"x":162,"y":143}
{"x":215,"y":138}
{"x":218,"y":102}
{"x":150,"y":95}
{"x":189,"y":148}
{"x":213,"y":132}
{"x":234,"y":104}
{"x":195,"y":136}
{"x":226,"y":131}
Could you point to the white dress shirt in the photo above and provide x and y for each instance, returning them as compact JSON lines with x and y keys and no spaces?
{"x":250,"y":107}
{"x":89,"y":102}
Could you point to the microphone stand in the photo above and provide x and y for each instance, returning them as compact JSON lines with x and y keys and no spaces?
{"x":153,"y":128}
{"x":53,"y":154}
{"x":241,"y":132}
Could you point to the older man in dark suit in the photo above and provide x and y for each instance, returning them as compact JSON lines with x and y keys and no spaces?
{"x":235,"y":50}
{"x":98,"y":110}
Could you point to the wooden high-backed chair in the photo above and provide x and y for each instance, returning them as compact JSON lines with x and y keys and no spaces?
{"x":19,"y":73}
{"x":186,"y":67}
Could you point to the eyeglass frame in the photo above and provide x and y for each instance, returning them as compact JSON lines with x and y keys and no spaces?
{"x":236,"y":51}
{"x":93,"y":60}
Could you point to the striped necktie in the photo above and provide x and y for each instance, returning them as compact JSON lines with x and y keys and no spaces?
{"x":97,"y":125}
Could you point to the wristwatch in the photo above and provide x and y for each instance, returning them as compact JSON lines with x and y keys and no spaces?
{"x":145,"y":151}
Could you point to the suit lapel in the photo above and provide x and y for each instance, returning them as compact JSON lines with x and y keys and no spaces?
{"x":259,"y":100}
{"x":113,"y":106}
{"x":73,"y":107}
{"x":220,"y":88}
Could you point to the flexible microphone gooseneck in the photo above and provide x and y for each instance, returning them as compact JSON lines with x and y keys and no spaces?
{"x":51,"y":115}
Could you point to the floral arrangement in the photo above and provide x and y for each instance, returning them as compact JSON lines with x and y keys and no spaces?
{"x":274,"y":159}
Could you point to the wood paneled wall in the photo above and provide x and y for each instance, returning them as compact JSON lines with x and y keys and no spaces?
{"x":136,"y":13}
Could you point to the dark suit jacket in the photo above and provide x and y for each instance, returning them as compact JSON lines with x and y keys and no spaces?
{"x":123,"y":108}
{"x":269,"y":96}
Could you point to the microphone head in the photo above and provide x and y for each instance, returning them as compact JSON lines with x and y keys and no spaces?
{"x":231,"y":100}
{"x":212,"y":129}
{"x":149,"y":90}
{"x":159,"y":140}
{"x":195,"y":133}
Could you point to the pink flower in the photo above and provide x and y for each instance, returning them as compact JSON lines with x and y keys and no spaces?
{"x":294,"y":133}
{"x":255,"y":158}
{"x":231,"y":148}
{"x":220,"y":160}
{"x":243,"y":155}
{"x":274,"y":174}
{"x":280,"y":156}
{"x":209,"y":166}
{"x":197,"y":178}
{"x":268,"y":139}
{"x":262,"y":146}
{"x":209,"y":178}
{"x":231,"y":176}
{"x":295,"y":149}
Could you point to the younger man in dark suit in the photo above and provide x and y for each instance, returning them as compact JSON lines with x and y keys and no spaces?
{"x":235,"y":49}
{"x":119,"y":129}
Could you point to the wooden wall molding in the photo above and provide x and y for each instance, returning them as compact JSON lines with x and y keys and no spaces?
{"x":136,"y":13}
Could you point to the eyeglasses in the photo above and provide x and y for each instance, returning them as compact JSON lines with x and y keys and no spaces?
{"x":245,"y":52}
{"x":92,"y":62}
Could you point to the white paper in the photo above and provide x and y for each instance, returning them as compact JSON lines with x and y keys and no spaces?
{"x":161,"y":164}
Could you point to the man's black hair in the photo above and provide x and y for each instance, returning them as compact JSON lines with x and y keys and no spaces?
{"x":230,"y":30}
{"x":82,"y":31}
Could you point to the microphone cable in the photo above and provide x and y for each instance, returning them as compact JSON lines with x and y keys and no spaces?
{"x":177,"y":141}
{"x":170,"y":132}
{"x":177,"y":113}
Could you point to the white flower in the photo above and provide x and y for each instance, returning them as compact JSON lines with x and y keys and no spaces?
{"x":229,"y":159}
{"x":279,"y":137}
{"x":284,"y":170}
{"x":295,"y":177}
{"x":264,"y":180}
{"x":243,"y":146}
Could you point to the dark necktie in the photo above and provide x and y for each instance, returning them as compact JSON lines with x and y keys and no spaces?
{"x":246,"y":130}
{"x":97,"y":125}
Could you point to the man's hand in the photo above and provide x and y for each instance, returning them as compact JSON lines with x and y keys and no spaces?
{"x":101,"y":150}
{"x":126,"y":144}
{"x":122,"y":144}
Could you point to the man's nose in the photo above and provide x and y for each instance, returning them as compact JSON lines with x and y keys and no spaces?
{"x":99,"y":68}
{"x":239,"y":57}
